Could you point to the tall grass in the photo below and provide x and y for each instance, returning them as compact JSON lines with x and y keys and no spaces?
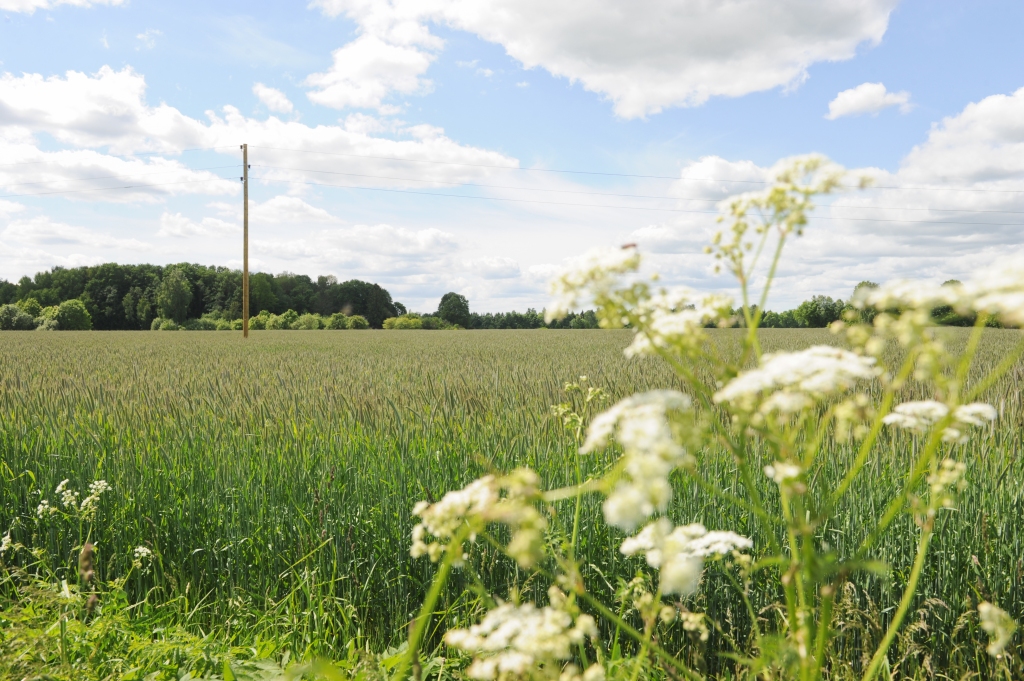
{"x":274,"y":478}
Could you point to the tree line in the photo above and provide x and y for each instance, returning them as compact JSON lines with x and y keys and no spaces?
{"x":125,"y":297}
{"x":191,"y":296}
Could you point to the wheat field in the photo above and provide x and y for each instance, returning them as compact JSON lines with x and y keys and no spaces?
{"x":274,"y":478}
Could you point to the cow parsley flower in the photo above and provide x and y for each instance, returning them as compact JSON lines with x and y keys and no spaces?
{"x":480,"y":503}
{"x":674,"y":317}
{"x":640,"y":424}
{"x":142,"y":558}
{"x":921,"y":416}
{"x":516,"y":641}
{"x":91,"y":503}
{"x":999,"y":626}
{"x":789,"y":382}
{"x":999,"y":291}
{"x":594,"y":276}
{"x":679,"y":553}
{"x":5,"y":544}
{"x":44,"y":510}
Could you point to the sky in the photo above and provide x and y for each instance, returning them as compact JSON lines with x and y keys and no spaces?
{"x":478,"y":146}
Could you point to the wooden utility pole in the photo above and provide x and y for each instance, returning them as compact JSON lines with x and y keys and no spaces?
{"x":245,"y":240}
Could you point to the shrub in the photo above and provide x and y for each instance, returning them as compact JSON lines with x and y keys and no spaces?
{"x":48,"y":325}
{"x":308,"y":322}
{"x":406,"y":321}
{"x":72,"y":316}
{"x":202,"y":324}
{"x":155,"y":324}
{"x":168,"y":325}
{"x":236,"y":325}
{"x":13,"y":318}
{"x":358,"y":321}
{"x":337,"y":321}
{"x":258,"y":323}
{"x":48,"y":312}
{"x":283,"y":321}
{"x":31,"y":307}
{"x":224,"y":325}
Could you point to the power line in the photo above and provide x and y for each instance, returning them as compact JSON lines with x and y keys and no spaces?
{"x":104,"y":189}
{"x":591,"y":172}
{"x":586,"y":193}
{"x":114,"y":177}
{"x":664,"y":210}
{"x":127,"y":156}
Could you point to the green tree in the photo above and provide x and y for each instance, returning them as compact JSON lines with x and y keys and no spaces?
{"x":819,"y":312}
{"x":174,"y":295}
{"x":454,"y":309}
{"x":72,"y":315}
{"x":31,"y":307}
{"x":13,"y":318}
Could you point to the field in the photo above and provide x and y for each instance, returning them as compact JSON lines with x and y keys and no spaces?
{"x":274,"y":478}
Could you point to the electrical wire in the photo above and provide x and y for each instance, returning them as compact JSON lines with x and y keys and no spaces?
{"x":586,"y":193}
{"x":590,"y":172}
{"x":647,"y":208}
{"x":114,"y":177}
{"x":104,"y":189}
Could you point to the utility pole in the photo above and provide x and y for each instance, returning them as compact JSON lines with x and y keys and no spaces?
{"x":245,"y":241}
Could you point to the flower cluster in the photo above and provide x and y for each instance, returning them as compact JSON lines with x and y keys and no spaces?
{"x":997,"y":291}
{"x":790,"y":382}
{"x":919,"y":417}
{"x":999,"y":626}
{"x":943,"y":482}
{"x":592,"y":278}
{"x":478,"y":504}
{"x":69,"y":499}
{"x":142,"y":558}
{"x":679,"y":553}
{"x":520,"y":641}
{"x":5,"y":544}
{"x":641,"y":425}
{"x":675,"y":318}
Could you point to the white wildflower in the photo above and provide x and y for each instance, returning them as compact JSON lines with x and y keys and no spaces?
{"x":949,"y":477}
{"x":999,"y":626}
{"x":480,"y":503}
{"x":782,"y":472}
{"x":679,"y":553}
{"x":69,"y":498}
{"x":788,"y":382}
{"x":44,"y":510}
{"x":98,"y":487}
{"x":904,"y":293}
{"x":674,"y":317}
{"x":594,"y":276}
{"x":91,"y":503}
{"x":695,"y":622}
{"x":640,"y":424}
{"x":999,"y":291}
{"x":921,"y":416}
{"x":517,"y":640}
{"x":5,"y":544}
{"x":142,"y":558}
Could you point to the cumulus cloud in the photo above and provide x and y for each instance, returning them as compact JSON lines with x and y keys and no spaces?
{"x":177,"y":225}
{"x":866,"y":98}
{"x":288,"y":210}
{"x":30,"y":6}
{"x":495,"y":268}
{"x":644,"y":56}
{"x":41,"y":230}
{"x":272,"y":98}
{"x":368,"y":70}
{"x":107,"y":111}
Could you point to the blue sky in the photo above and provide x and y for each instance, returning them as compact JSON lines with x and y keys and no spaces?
{"x":443,"y":96}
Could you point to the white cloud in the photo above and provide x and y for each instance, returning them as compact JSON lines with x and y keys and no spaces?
{"x":30,"y":6}
{"x":8,"y":208}
{"x":647,"y":55}
{"x":41,"y":230}
{"x":177,"y":225}
{"x":495,"y":268}
{"x":147,"y":39}
{"x":867,"y":98}
{"x":287,"y":210}
{"x":272,"y":98}
{"x":367,"y":70}
{"x":108,"y":110}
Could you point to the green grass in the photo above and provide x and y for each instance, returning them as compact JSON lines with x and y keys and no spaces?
{"x":274,"y":478}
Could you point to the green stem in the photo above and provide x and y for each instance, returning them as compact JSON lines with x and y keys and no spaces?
{"x":427,"y":609}
{"x":605,"y":612}
{"x":908,"y":597}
